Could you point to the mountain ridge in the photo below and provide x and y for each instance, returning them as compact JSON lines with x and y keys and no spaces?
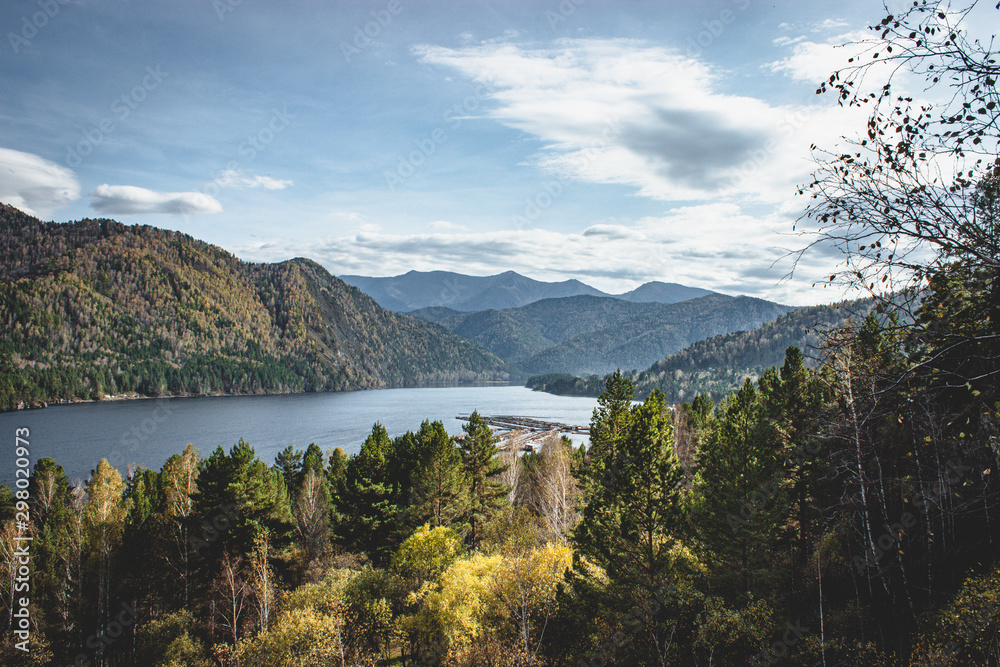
{"x":638,"y":341}
{"x":417,"y":290}
{"x":718,"y":365}
{"x":95,"y":307}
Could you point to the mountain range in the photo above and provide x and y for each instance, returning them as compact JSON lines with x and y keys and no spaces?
{"x":719,"y":365}
{"x":96,"y":307}
{"x":591,"y":334}
{"x":424,"y":289}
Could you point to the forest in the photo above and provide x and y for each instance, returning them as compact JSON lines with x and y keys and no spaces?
{"x":96,"y":308}
{"x":718,"y":366}
{"x":841,"y":513}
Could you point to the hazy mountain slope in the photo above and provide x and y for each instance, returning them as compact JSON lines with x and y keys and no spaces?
{"x":657,"y":292}
{"x":719,"y":365}
{"x":641,"y":340}
{"x":419,"y":289}
{"x":95,"y":307}
{"x":433,"y":313}
{"x":518,"y":333}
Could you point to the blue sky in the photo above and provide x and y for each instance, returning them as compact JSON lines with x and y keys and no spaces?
{"x":613,"y":142}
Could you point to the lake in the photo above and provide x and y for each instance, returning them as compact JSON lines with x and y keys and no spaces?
{"x":147,"y":432}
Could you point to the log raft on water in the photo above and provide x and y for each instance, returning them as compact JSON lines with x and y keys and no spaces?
{"x":526,"y":433}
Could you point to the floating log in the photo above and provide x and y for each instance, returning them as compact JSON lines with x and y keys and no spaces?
{"x":510,"y":422}
{"x":526,"y":433}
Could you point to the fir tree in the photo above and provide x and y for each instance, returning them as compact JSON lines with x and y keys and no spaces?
{"x":635,"y":515}
{"x":739,"y":492}
{"x":366,"y":500}
{"x":439,"y":494}
{"x":487,"y":493}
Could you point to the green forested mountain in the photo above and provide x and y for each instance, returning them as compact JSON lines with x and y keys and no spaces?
{"x":433,"y":313}
{"x":719,"y":365}
{"x":640,"y":340}
{"x":590,"y":334}
{"x":516,"y":334}
{"x":96,"y":307}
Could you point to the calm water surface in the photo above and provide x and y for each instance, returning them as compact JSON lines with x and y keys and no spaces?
{"x":147,"y":432}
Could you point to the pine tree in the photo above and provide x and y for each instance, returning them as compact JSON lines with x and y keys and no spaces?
{"x":739,"y":492}
{"x":367,"y":500}
{"x":439,"y":492}
{"x":143,"y":583}
{"x":634,"y":518}
{"x":311,"y":460}
{"x":238,"y":485}
{"x":607,"y":427}
{"x":796,"y":405}
{"x":289,"y":464}
{"x":487,"y":492}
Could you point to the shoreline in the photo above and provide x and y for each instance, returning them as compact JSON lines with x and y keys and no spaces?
{"x":23,"y":406}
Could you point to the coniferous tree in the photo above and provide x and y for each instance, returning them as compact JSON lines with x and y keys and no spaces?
{"x":739,"y":495}
{"x":238,"y":495}
{"x":439,"y":493}
{"x":143,"y":525}
{"x":634,"y":518}
{"x":607,"y":426}
{"x":289,"y":464}
{"x":312,"y":460}
{"x":487,"y":491}
{"x":796,"y":405}
{"x":367,"y":500}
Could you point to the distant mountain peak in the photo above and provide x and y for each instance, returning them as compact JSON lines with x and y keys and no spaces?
{"x":415,"y":290}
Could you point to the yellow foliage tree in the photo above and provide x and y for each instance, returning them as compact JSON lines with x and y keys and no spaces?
{"x":500,"y":603}
{"x":297,"y":638}
{"x":425,"y":555}
{"x":104,"y":519}
{"x":525,"y":586}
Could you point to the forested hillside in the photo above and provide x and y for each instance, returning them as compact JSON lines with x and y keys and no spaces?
{"x":718,"y":366}
{"x":589,"y":334}
{"x":516,"y":334}
{"x":640,"y":340}
{"x":96,"y":307}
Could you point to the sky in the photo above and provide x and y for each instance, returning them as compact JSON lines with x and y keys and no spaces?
{"x":611,"y":142}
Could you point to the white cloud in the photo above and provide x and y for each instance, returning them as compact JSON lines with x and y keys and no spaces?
{"x":814,"y":62}
{"x":440,"y":225}
{"x":621,"y":112}
{"x":233,"y":178}
{"x":131,"y":200}
{"x":787,"y":41}
{"x":716,"y":246}
{"x":830,"y":24}
{"x":35,"y":185}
